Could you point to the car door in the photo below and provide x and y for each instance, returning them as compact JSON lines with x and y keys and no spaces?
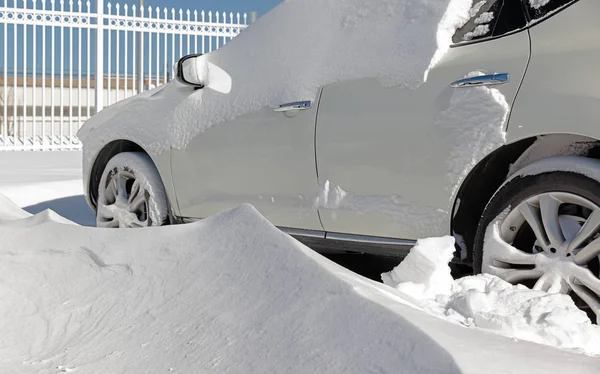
{"x":390,"y":159}
{"x":266,"y":159}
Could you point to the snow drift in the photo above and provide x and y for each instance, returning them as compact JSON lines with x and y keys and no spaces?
{"x":488,"y":302}
{"x":228,"y":294}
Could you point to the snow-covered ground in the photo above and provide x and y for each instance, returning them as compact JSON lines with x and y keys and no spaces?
{"x":234,"y":294}
{"x":46,"y":180}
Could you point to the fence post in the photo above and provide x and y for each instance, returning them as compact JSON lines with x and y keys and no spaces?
{"x":99,"y":55}
{"x":140,"y":50}
{"x":253,"y":16}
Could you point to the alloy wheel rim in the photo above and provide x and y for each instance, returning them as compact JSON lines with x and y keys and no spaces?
{"x":124,"y":203}
{"x":553,"y":245}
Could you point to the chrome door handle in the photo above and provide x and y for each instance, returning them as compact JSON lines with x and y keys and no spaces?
{"x":483,"y":80}
{"x":297,"y":105}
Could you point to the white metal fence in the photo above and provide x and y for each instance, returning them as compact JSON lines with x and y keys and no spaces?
{"x":63,"y":62}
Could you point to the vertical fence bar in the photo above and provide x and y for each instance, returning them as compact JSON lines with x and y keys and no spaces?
{"x":141,"y":53}
{"x":44,"y":76}
{"x":24,"y":82}
{"x":52,"y":77}
{"x":109,"y":57}
{"x":5,"y":92}
{"x":34,"y":95}
{"x":196,"y":29}
{"x":134,"y":55}
{"x":99,"y":55}
{"x":79,"y":46}
{"x":230,"y":28}
{"x":180,"y":34}
{"x":62,"y":75}
{"x":117,"y":54}
{"x":165,"y":41}
{"x":157,"y":47}
{"x":238,"y":19}
{"x":210,"y":38}
{"x":89,"y":60}
{"x":217,"y":30}
{"x":70,"y":75}
{"x":149,"y":49}
{"x":188,"y":36}
{"x":126,"y":33}
{"x":173,"y":60}
{"x":15,"y":68}
{"x":202,"y":14}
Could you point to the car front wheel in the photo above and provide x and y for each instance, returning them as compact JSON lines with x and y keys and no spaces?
{"x":543,"y":231}
{"x":131,"y":193}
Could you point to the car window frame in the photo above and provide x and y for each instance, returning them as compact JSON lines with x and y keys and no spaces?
{"x":492,"y":37}
{"x":533,"y":21}
{"x":529,"y":22}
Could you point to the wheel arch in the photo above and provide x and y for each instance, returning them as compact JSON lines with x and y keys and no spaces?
{"x":116,"y":147}
{"x":490,"y":173}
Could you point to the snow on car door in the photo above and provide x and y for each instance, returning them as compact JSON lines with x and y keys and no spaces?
{"x":391,"y":159}
{"x":266,"y":159}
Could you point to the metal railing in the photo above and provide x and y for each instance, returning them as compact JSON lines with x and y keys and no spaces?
{"x":63,"y":62}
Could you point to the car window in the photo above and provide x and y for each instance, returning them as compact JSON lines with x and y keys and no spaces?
{"x":541,"y":8}
{"x":491,"y":18}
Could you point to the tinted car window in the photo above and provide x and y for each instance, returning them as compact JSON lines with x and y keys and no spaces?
{"x":541,"y":8}
{"x":491,"y":18}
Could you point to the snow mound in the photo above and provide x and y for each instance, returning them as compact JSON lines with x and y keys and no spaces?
{"x":489,"y":303}
{"x":10,"y":210}
{"x":228,"y":294}
{"x":424,"y":272}
{"x":12,"y":215}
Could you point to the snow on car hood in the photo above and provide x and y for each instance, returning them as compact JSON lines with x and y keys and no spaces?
{"x":288,"y":55}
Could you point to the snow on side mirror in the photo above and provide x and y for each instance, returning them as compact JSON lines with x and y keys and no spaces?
{"x":194,"y":70}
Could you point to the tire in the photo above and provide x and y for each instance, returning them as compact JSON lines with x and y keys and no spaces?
{"x":578,"y":197}
{"x":131,"y":193}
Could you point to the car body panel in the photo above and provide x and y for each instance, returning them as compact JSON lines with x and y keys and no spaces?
{"x":386,"y":151}
{"x":265,"y":158}
{"x":561,"y":91}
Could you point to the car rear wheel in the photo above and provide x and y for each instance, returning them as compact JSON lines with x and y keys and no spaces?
{"x":543,"y":231}
{"x":131,"y":193}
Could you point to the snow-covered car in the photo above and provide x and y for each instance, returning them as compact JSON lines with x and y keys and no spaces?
{"x":383,"y":122}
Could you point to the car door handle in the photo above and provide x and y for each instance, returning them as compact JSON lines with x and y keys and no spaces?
{"x":482,"y":80}
{"x":297,"y":105}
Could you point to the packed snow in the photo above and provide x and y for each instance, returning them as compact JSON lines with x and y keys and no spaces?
{"x":475,"y":121}
{"x":228,"y":294}
{"x":120,"y":212}
{"x":488,"y":302}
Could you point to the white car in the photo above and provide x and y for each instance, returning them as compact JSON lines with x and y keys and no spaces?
{"x":500,"y":139}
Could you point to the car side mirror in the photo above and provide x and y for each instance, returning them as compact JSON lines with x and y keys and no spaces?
{"x":188,"y":72}
{"x":196,"y":71}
